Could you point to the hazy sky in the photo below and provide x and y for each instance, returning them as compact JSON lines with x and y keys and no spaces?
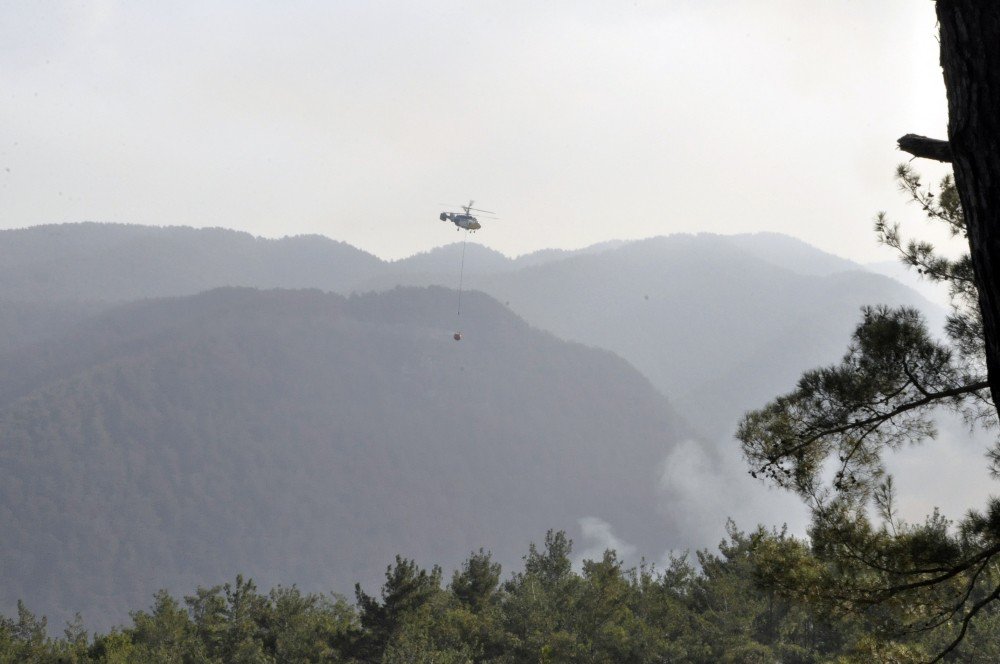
{"x":576,"y":121}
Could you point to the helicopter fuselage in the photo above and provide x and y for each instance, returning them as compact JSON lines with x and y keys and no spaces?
{"x":466,"y":221}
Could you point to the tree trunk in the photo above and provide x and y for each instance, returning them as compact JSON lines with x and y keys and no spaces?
{"x":970,"y":58}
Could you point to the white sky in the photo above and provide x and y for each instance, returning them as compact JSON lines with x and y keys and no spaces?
{"x":576,"y":121}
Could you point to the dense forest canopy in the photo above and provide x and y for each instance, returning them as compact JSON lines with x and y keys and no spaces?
{"x":707,"y":610}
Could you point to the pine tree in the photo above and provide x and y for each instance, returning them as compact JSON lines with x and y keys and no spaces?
{"x":926,"y":577}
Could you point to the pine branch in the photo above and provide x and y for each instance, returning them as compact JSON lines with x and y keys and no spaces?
{"x":877,"y":419}
{"x":977,"y":607}
{"x":952,"y":572}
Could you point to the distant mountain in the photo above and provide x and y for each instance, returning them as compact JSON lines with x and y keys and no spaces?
{"x":444,"y":263}
{"x":551,"y":255}
{"x":298,"y":436}
{"x":934,"y":292}
{"x":114,"y":263}
{"x":719,"y":323}
{"x":448,"y":260}
{"x":118,"y":262}
{"x":791,"y":253}
{"x":716,"y":322}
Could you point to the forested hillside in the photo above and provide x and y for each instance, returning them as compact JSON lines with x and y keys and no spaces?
{"x":304,"y":437}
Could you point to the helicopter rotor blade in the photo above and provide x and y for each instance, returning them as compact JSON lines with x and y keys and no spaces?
{"x":467,"y":208}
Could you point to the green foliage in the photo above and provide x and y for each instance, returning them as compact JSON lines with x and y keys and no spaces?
{"x":475,"y":585}
{"x":231,"y":623}
{"x":407,"y":591}
{"x":549,"y":611}
{"x":877,"y":398}
{"x":964,"y":326}
{"x":928,"y":580}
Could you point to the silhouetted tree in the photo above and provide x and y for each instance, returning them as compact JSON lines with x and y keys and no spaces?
{"x":908,"y":578}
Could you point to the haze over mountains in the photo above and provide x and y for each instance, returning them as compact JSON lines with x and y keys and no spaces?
{"x":714,"y":321}
{"x":304,"y":437}
{"x":704,"y":316}
{"x":154,"y":434}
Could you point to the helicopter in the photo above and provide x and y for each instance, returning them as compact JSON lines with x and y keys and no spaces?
{"x":464,"y":219}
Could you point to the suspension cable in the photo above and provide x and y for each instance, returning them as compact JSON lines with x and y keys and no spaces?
{"x":461,"y":272}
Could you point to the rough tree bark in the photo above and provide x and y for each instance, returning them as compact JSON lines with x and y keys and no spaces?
{"x":970,"y":59}
{"x":928,"y":148}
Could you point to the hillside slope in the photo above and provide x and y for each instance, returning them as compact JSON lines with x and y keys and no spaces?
{"x":304,"y":437}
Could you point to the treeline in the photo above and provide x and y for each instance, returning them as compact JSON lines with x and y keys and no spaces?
{"x":706,"y":610}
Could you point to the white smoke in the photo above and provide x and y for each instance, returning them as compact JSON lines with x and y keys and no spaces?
{"x":702,"y":487}
{"x":598,"y":537}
